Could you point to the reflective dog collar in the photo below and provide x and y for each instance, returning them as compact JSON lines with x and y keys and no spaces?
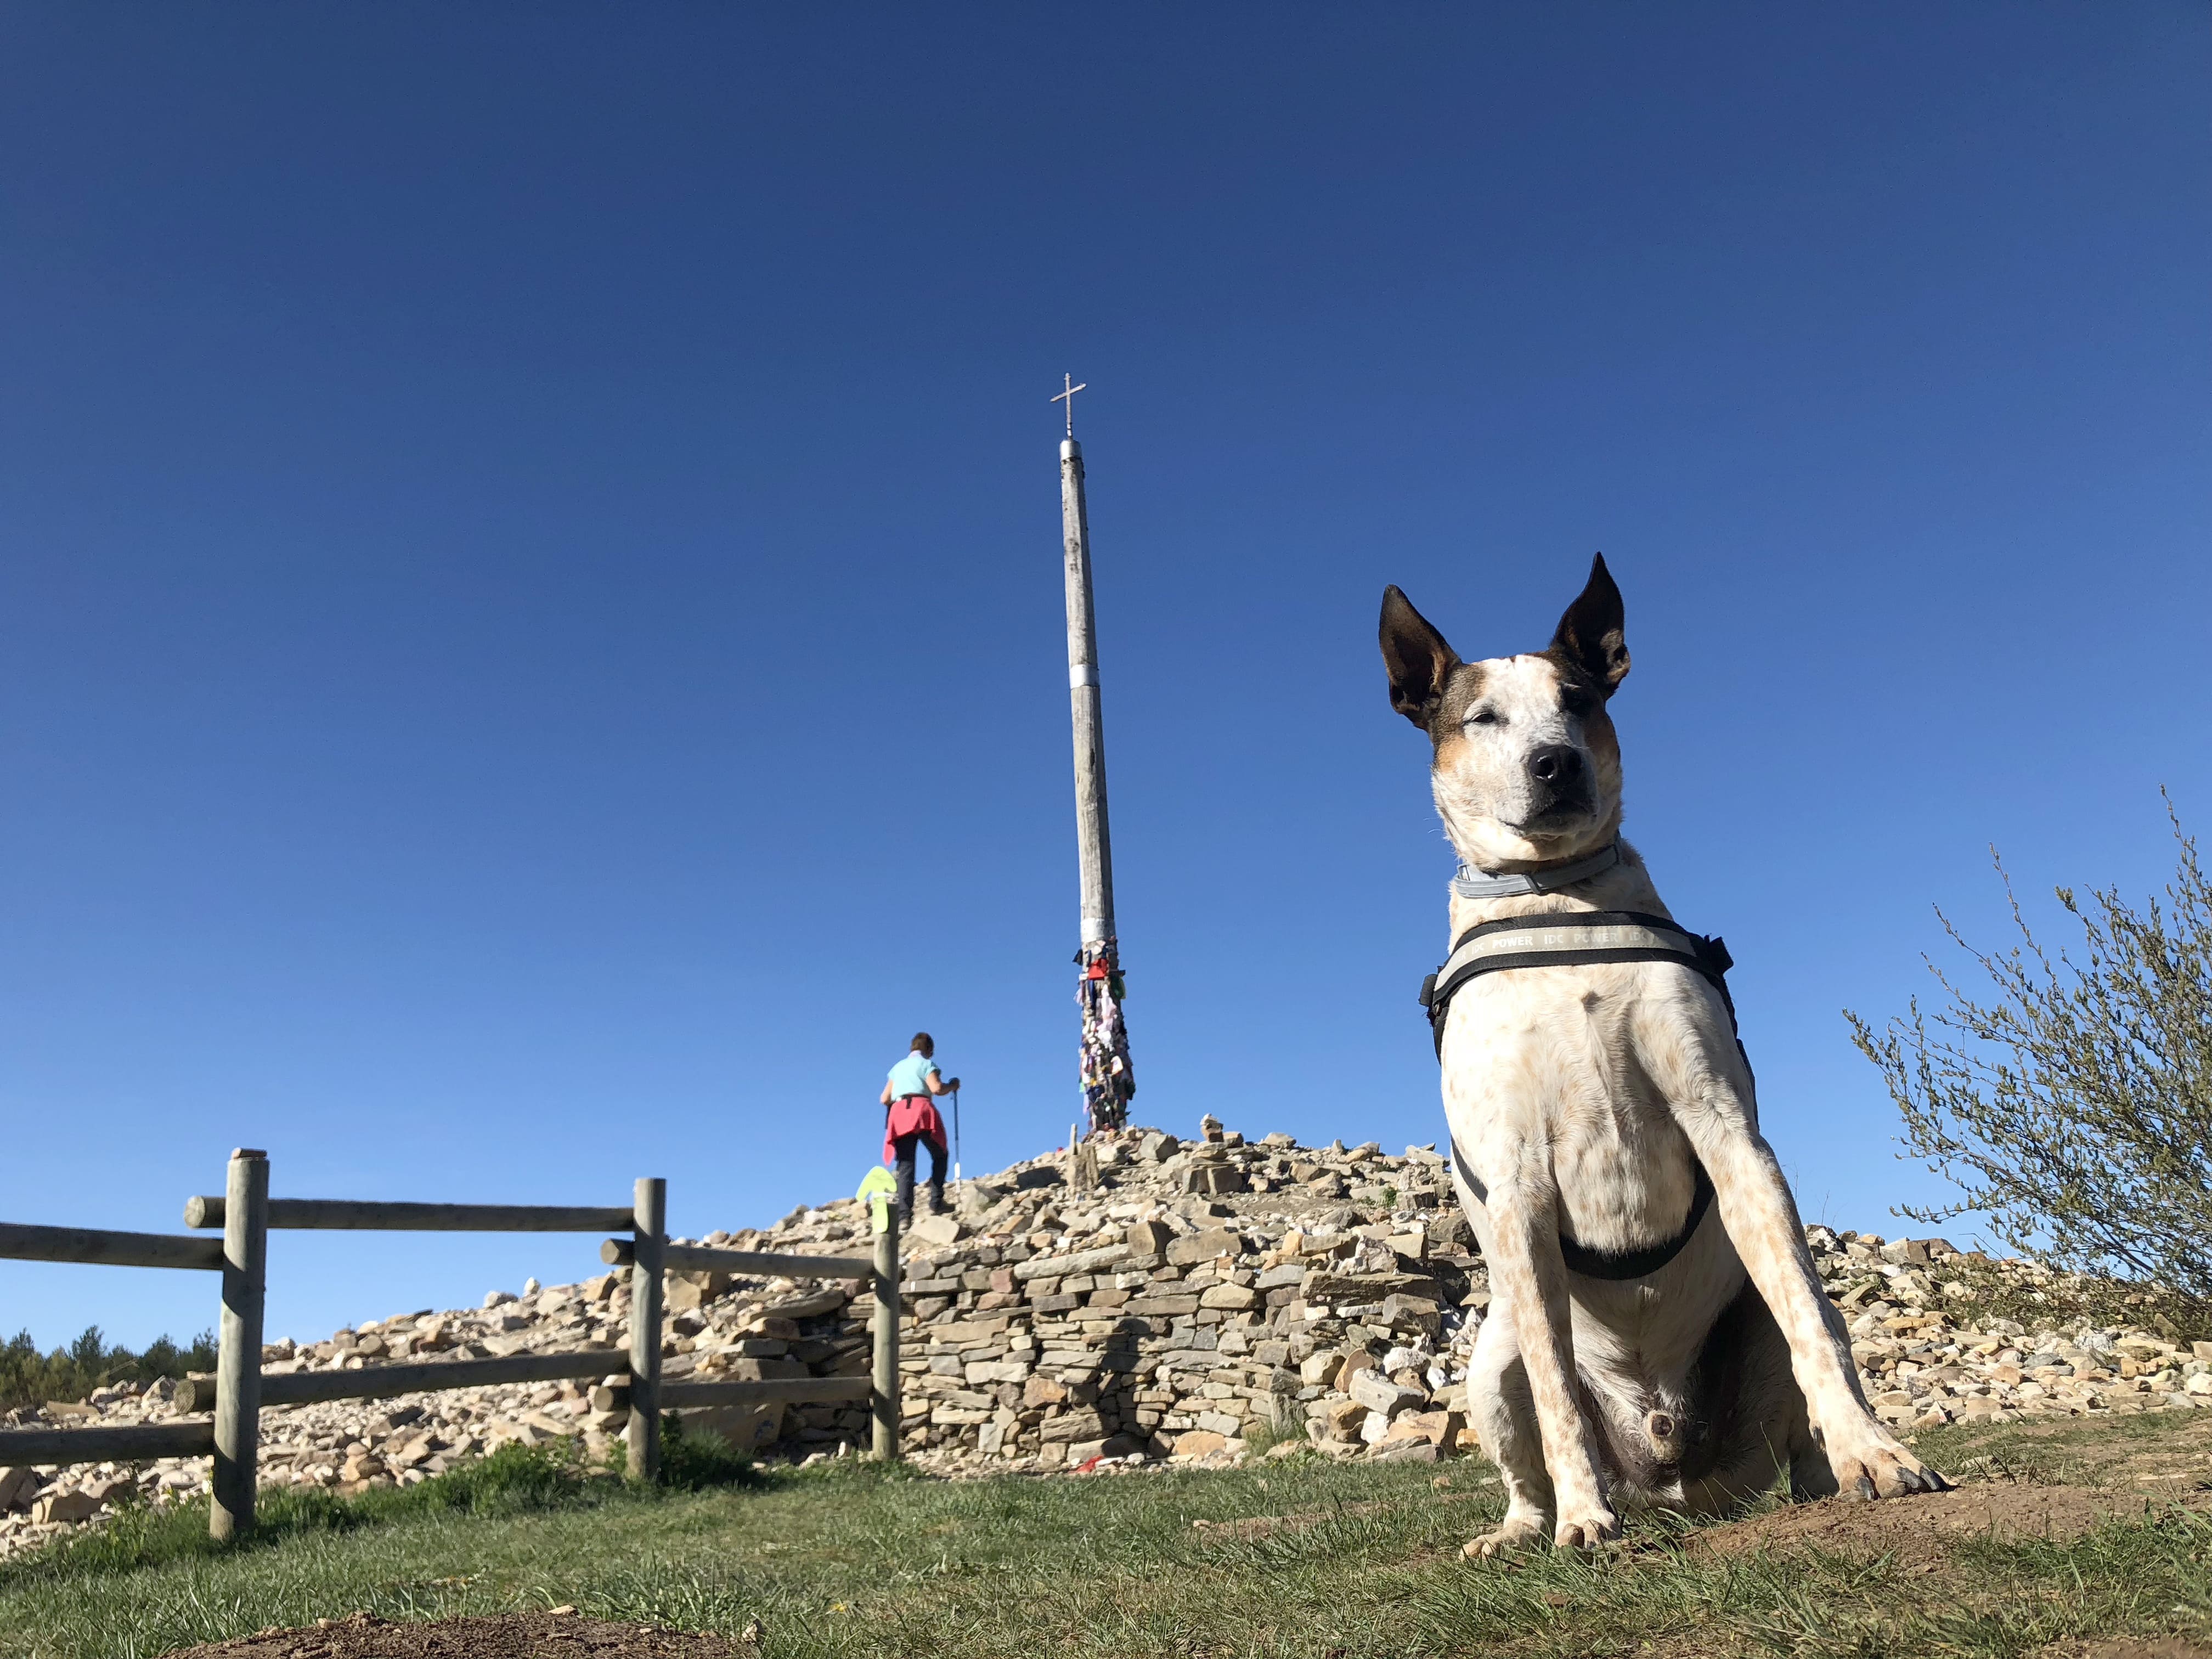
{"x":1473,"y":883}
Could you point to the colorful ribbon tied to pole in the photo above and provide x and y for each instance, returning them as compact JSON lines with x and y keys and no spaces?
{"x":1108,"y":1081}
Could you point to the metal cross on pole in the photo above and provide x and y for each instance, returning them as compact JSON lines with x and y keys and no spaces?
{"x":1068,"y":398}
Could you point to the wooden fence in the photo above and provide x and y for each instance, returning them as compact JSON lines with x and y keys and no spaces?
{"x":229,"y":1433}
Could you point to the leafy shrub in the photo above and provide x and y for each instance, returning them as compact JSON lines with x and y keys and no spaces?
{"x":2075,"y":1107}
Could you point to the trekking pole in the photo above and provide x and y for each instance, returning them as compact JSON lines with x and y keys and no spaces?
{"x":956,"y":1137}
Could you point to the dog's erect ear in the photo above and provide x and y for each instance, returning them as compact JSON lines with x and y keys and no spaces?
{"x":1594,"y":634}
{"x":1419,"y":659}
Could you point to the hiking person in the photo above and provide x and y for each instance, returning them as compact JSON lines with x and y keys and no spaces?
{"x":910,"y":1117}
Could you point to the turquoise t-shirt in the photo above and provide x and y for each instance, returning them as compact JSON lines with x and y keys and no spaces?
{"x":911,"y":1075}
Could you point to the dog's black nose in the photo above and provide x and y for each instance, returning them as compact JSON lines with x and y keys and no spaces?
{"x":1556,"y":764}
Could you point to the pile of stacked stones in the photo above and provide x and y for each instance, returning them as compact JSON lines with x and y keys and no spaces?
{"x":1150,"y":1299}
{"x":1926,"y":1358}
{"x":1194,"y":1299}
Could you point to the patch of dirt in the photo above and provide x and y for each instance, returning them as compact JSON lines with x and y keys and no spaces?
{"x":511,"y":1636}
{"x":1924,"y":1525}
{"x":2177,"y":1458}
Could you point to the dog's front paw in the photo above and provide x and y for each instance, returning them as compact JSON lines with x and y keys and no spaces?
{"x":1514,"y":1532}
{"x":1585,"y":1526}
{"x":1870,"y":1462}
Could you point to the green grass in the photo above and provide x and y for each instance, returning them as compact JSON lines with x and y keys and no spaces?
{"x":851,"y":1559}
{"x":514,"y":1480}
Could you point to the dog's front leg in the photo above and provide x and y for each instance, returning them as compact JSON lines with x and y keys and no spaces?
{"x":1527,"y":1275}
{"x":1505,"y":1419}
{"x":1712,"y":1106}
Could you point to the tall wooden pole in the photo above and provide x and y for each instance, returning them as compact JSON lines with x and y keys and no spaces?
{"x":1108,"y":1081}
{"x":1094,"y":846}
{"x":238,"y":1357}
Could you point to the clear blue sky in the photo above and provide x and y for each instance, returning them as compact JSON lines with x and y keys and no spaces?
{"x":530,"y":615}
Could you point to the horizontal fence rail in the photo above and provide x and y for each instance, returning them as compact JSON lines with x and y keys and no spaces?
{"x":628,"y":1378}
{"x":113,"y":1443}
{"x":108,"y":1249}
{"x":349,"y":1215}
{"x":707,"y":1259}
{"x":197,"y":1392}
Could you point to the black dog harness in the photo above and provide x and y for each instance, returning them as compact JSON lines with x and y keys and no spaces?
{"x":1573,"y":939}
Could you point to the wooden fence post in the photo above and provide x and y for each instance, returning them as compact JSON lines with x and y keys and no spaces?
{"x":886,"y":1398}
{"x":650,"y":1218}
{"x":237,"y":1363}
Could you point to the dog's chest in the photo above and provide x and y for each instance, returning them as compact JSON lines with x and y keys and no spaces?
{"x":1544,"y":1081}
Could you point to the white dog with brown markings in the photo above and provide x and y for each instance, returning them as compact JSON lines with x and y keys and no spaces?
{"x":1639,"y":1347}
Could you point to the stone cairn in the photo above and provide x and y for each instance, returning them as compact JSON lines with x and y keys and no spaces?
{"x":1142,"y":1302}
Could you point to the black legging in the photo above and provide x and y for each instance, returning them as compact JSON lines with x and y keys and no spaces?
{"x":904,"y":1147}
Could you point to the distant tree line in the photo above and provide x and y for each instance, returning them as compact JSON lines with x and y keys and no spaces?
{"x":29,"y":1377}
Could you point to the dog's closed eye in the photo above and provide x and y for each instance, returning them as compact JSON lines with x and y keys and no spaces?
{"x":1486,"y":717}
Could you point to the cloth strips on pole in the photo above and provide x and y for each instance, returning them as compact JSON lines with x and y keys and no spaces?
{"x":1108,"y":1081}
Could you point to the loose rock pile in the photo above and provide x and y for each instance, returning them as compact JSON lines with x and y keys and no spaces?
{"x":1147,"y":1300}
